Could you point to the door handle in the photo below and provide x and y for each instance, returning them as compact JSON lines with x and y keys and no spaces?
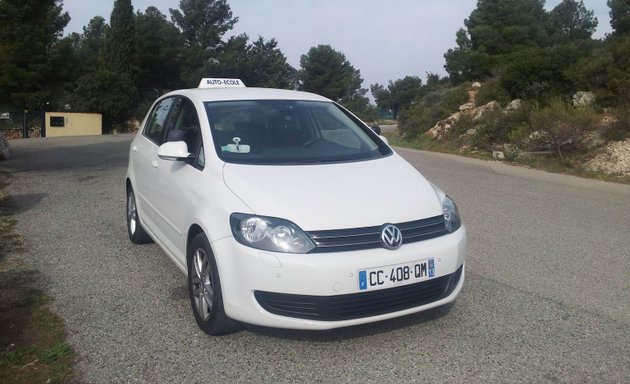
{"x":154,"y":163}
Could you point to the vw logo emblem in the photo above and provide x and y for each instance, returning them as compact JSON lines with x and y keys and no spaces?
{"x":391,"y":237}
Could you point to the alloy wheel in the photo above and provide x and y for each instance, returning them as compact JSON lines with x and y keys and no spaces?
{"x":203,"y":290}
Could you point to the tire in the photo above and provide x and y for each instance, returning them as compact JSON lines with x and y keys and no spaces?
{"x":204,"y":288}
{"x":137,"y":234}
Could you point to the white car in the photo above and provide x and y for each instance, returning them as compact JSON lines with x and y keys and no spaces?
{"x":285,"y":210}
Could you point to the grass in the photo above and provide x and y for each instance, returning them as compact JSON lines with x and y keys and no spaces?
{"x":32,"y":338}
{"x":570,"y":166}
{"x":32,"y":342}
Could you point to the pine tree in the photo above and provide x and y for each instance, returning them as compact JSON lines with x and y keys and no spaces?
{"x":120,"y":54}
{"x":620,"y":16}
{"x":327,"y":72}
{"x":29,"y":33}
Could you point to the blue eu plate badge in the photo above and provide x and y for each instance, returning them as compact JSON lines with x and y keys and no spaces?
{"x":363,"y":280}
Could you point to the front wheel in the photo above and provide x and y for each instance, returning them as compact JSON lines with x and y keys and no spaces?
{"x":204,"y":288}
{"x":137,"y":234}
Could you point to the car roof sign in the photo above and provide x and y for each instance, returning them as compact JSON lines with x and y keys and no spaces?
{"x":208,"y":82}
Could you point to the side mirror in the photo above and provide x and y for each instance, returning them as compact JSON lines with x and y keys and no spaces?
{"x":174,"y":151}
{"x":377,"y":129}
{"x":384,"y":139}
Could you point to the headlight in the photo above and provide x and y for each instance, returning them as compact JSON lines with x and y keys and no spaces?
{"x":269,"y":234}
{"x":452,"y":222}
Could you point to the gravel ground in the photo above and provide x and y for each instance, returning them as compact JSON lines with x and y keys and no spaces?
{"x":545,"y":300}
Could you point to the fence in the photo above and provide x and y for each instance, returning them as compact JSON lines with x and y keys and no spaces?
{"x":22,"y":124}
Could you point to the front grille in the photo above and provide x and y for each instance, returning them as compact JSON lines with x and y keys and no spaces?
{"x":355,"y":239}
{"x":358,"y":305}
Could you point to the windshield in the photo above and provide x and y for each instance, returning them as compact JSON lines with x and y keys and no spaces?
{"x":289,"y":132}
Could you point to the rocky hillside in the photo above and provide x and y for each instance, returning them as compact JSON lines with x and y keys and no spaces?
{"x":463,"y":126}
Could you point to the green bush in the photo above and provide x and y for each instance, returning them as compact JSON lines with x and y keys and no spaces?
{"x":519,"y":133}
{"x":492,"y":90}
{"x":539,"y":74}
{"x":497,"y":127}
{"x":562,"y":123}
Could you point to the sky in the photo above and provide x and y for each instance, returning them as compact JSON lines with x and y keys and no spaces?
{"x":385,"y":40}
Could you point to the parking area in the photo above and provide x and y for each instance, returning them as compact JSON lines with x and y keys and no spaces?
{"x":545,"y":300}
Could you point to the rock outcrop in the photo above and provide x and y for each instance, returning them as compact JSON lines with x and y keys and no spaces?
{"x":443,"y":127}
{"x":614,"y":160}
{"x":583,"y":99}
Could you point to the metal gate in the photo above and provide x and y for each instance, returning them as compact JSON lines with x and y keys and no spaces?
{"x":22,"y":124}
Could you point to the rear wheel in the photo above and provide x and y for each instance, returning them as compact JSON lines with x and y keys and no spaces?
{"x":204,"y":288}
{"x":137,"y":234}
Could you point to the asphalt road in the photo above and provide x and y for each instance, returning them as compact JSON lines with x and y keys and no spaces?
{"x":547,"y":295}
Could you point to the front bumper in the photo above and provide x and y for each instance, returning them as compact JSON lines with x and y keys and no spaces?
{"x":359,"y":305}
{"x":321,"y":291}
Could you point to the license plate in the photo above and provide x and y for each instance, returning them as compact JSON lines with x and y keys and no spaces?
{"x":395,"y":275}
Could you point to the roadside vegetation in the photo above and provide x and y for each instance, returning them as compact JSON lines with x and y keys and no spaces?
{"x":556,"y":134}
{"x":32,"y":338}
{"x":572,"y":165}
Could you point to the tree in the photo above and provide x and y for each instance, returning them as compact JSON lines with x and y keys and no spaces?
{"x":203,"y":24}
{"x":29,"y":35}
{"x":159,"y":45}
{"x":571,"y":21}
{"x":232,"y":60}
{"x":69,"y":67}
{"x":92,"y":43}
{"x":120,"y":55}
{"x":617,"y":85}
{"x":435,"y":82}
{"x":110,"y":93}
{"x":504,"y":26}
{"x":111,"y":89}
{"x":327,"y":72}
{"x":399,"y":94}
{"x":619,"y":16}
{"x":495,"y":29}
{"x":540,"y":73}
{"x":458,"y":60}
{"x":258,"y":64}
{"x":269,"y":65}
{"x":381,"y":95}
{"x":469,"y":65}
{"x":360,"y":105}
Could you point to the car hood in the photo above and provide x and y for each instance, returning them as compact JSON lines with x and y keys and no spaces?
{"x":335,"y":196}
